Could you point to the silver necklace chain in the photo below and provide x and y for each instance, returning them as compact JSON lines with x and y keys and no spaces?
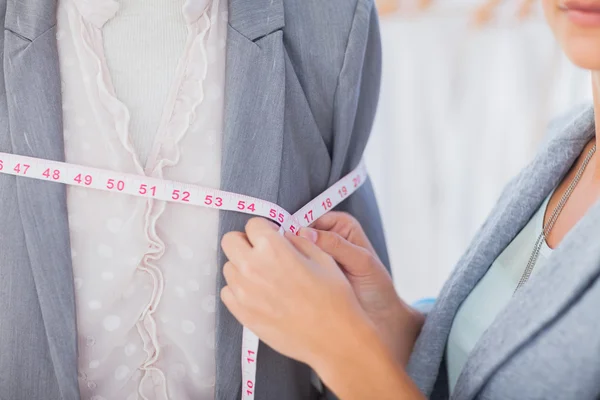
{"x":553,"y":218}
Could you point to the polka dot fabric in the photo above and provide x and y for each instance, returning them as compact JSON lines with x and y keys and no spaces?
{"x":144,"y":270}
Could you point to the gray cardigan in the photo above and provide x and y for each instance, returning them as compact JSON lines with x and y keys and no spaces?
{"x":546,"y":343}
{"x":302,"y":83}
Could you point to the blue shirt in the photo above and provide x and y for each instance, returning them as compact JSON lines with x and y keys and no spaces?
{"x":492,"y":293}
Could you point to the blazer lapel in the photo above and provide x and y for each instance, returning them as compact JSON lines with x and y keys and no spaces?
{"x":35,"y":117}
{"x":536,"y":305}
{"x":252,"y":146}
{"x":510,"y":215}
{"x":541,"y":300}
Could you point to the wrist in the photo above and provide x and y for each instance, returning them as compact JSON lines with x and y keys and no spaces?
{"x":401,"y":329}
{"x":366,"y":369}
{"x":353,"y":345}
{"x":415,"y":321}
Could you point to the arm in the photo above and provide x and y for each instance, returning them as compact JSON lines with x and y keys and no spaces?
{"x":366,"y":372}
{"x":395,"y":324}
{"x":341,"y":236}
{"x":303,"y":303}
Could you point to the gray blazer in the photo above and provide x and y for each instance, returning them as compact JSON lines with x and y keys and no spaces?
{"x":301,"y":92}
{"x":545,"y":344}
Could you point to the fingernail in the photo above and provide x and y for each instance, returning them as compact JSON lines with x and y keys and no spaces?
{"x":272,"y":225}
{"x":309,"y":234}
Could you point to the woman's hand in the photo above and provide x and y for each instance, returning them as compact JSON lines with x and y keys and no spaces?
{"x":292,"y":295}
{"x":299,"y":301}
{"x":342,"y":237}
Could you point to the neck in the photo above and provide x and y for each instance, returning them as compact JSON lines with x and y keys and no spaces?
{"x":596,"y":94}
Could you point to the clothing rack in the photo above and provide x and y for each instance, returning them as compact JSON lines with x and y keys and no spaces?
{"x":482,"y":14}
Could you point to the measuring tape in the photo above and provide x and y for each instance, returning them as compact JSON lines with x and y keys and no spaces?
{"x":183,"y":193}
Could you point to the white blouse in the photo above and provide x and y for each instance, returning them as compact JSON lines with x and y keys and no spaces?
{"x":144,"y":270}
{"x":143,"y":43}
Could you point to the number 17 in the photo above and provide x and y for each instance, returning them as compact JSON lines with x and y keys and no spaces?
{"x":309,"y":216}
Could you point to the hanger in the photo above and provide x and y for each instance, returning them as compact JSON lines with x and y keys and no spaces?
{"x":485,"y":12}
{"x":526,"y":8}
{"x":388,"y":7}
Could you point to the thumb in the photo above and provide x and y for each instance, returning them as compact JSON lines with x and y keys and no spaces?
{"x":355,"y":260}
{"x":310,"y":250}
{"x":346,"y":226}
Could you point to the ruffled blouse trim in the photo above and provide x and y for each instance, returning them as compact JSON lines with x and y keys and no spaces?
{"x":188,"y":98}
{"x":179,"y":115}
{"x":98,"y":12}
{"x":194,"y":9}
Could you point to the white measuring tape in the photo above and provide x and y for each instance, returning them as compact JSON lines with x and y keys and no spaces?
{"x":176,"y":192}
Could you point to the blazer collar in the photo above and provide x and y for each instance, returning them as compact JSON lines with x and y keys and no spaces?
{"x":30,"y":18}
{"x":256,"y":18}
{"x":515,"y":208}
{"x":35,"y":118}
{"x":558,"y":283}
{"x":251,"y":18}
{"x":570,"y":271}
{"x":252,"y":151}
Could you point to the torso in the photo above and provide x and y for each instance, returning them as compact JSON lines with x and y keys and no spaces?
{"x":281,"y":101}
{"x":144,"y":270}
{"x":496,"y":288}
{"x":492,"y":294}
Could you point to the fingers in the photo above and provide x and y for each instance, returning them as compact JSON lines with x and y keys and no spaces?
{"x":236,"y":246}
{"x":309,"y":249}
{"x":241,"y":287}
{"x":345,"y":226}
{"x":237,"y":281}
{"x":231,"y":274}
{"x":341,"y":236}
{"x":233,"y":304}
{"x":269,"y":243}
{"x":260,"y":250}
{"x":354,"y":259}
{"x":261,"y":231}
{"x":228,"y":298}
{"x":233,"y":294}
{"x":337,"y":235}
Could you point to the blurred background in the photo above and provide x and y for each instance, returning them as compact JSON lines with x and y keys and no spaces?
{"x":463,"y":81}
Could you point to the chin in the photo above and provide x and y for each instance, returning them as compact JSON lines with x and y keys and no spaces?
{"x":583,"y":52}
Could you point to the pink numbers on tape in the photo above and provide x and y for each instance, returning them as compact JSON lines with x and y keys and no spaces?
{"x":176,"y":192}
